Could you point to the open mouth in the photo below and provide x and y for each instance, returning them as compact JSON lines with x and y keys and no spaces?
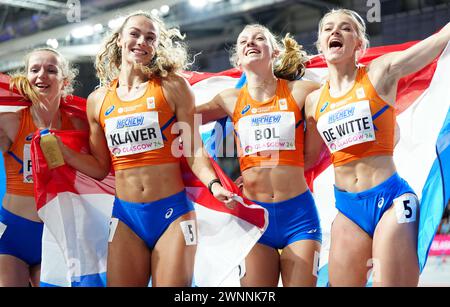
{"x":139,"y":52}
{"x":42,"y":85}
{"x":335,"y":45}
{"x":252,"y":51}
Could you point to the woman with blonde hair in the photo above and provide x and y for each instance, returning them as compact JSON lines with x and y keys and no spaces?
{"x":46,"y":80}
{"x":269,"y":125}
{"x":135,"y":120}
{"x":354,"y":113}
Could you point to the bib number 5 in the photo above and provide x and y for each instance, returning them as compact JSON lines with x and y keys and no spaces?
{"x":406,"y":208}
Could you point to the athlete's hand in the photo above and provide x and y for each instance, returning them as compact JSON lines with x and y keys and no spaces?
{"x":239,"y":182}
{"x":223,"y":195}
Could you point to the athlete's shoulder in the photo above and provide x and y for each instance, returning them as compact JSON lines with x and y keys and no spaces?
{"x":176,"y":80}
{"x":304,"y":84}
{"x":301,"y":88}
{"x":230,"y":93}
{"x":311,"y":101}
{"x":313,"y":97}
{"x":98,"y":95}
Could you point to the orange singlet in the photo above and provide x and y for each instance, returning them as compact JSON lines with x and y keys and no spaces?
{"x":17,"y":159}
{"x":138,"y":132}
{"x":356,"y":125}
{"x":269,"y":133}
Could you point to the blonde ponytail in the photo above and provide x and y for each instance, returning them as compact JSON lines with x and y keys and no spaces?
{"x":291,"y":63}
{"x":21,"y":83}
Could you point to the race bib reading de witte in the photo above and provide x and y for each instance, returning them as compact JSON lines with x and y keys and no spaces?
{"x":347,"y":126}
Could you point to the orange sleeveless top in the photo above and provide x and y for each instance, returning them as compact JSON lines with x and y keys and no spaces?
{"x":269,"y":133}
{"x":356,"y":125}
{"x":138,"y":132}
{"x":17,"y":159}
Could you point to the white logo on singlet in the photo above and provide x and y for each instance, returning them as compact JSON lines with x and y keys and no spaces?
{"x":151,"y":103}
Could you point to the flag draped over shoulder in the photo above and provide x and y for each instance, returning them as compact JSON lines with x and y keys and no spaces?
{"x":76,"y":211}
{"x":422,"y":156}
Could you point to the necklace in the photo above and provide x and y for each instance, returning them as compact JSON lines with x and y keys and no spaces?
{"x":133,"y":86}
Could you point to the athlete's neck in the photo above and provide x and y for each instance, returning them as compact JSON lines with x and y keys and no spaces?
{"x":261,"y":86}
{"x":342,"y":77}
{"x":46,"y":115}
{"x":131,"y":77}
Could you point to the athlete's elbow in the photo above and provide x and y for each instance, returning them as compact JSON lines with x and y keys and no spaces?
{"x":98,"y":172}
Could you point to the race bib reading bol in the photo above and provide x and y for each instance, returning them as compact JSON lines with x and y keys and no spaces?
{"x":269,"y":131}
{"x":132,"y":134}
{"x":349,"y":125}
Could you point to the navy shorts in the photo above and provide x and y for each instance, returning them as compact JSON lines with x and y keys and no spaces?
{"x":291,"y":220}
{"x":150,"y":220}
{"x":366,"y":208}
{"x":20,"y":237}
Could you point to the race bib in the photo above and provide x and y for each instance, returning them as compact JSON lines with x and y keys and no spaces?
{"x":189,"y":231}
{"x":26,"y":164}
{"x":347,"y":126}
{"x":2,"y":229}
{"x":132,"y":134}
{"x":406,"y":208}
{"x":270,"y":131}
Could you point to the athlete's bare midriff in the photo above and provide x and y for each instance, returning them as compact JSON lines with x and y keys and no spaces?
{"x":363,"y":174}
{"x":23,"y":206}
{"x":273,"y":184}
{"x":149,"y":183}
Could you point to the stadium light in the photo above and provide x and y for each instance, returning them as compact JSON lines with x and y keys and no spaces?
{"x":83,"y":31}
{"x":98,"y":27}
{"x":164,"y":10}
{"x":116,"y":22}
{"x":52,"y":42}
{"x":198,"y":3}
{"x":155,"y":12}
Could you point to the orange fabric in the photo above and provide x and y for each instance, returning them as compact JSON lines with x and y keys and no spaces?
{"x":247,"y":106}
{"x":384,"y":122}
{"x":154,"y":102}
{"x":16,"y":163}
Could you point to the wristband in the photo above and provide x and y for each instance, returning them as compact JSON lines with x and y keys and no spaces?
{"x":210,"y":184}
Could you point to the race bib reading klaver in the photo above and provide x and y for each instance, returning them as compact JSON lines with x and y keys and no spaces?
{"x":134,"y":133}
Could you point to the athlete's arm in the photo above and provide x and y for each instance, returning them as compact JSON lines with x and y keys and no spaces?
{"x":301,"y":89}
{"x":220,"y":106}
{"x":79,"y":124}
{"x":313,"y":142}
{"x":97,"y":164}
{"x":9,"y":126}
{"x":393,"y":66}
{"x":179,"y":94}
{"x":396,"y":134}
